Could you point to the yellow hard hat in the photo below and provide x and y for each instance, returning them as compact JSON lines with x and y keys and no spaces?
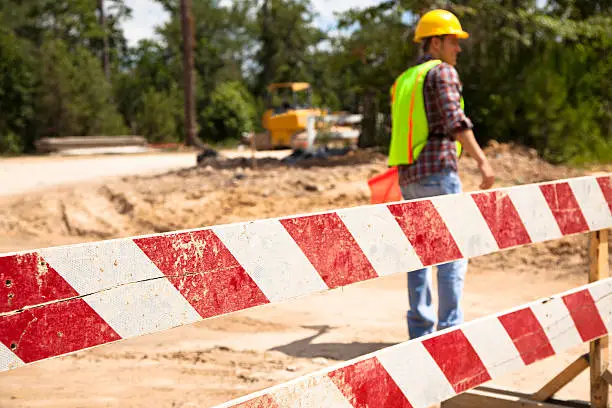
{"x":438,"y":22}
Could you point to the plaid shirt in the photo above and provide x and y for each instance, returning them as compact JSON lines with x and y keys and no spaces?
{"x":442,"y":95}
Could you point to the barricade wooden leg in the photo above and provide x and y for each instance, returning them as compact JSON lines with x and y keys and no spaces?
{"x":598,"y":252}
{"x":561,"y":380}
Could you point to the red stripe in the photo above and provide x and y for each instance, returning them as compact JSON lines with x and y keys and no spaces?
{"x":527,"y":335}
{"x":265,"y":401}
{"x":502,"y":218}
{"x":458,"y":360}
{"x":426,"y":231}
{"x":53,"y":330}
{"x":585,"y":315}
{"x":204,"y":271}
{"x":565,"y":208}
{"x":331,"y":249}
{"x":27,"y":280}
{"x":367,"y":384}
{"x":606,"y":187}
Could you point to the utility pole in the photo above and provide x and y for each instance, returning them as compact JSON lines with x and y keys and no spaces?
{"x":105,"y":58}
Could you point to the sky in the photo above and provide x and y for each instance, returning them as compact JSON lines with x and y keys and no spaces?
{"x":146,"y":14}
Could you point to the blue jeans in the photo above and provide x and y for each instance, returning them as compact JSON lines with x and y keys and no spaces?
{"x":451,"y":276}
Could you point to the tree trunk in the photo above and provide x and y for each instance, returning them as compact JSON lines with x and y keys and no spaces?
{"x":191,"y":138}
{"x":368,"y":125}
{"x":105,"y":57}
{"x":267,"y":52}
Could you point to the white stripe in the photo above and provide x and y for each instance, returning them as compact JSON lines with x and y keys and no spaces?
{"x":8,"y":359}
{"x":272,"y":258}
{"x":314,"y":392}
{"x":466,"y":223}
{"x":381,"y":239}
{"x":558,"y":324}
{"x":592,"y":203}
{"x":95,"y":267}
{"x":494,"y":347}
{"x":535,"y":213}
{"x":152,"y":304}
{"x":146,"y":307}
{"x":416,"y":373}
{"x":602,"y":295}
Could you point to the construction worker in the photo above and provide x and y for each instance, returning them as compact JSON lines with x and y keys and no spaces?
{"x":429,"y":131}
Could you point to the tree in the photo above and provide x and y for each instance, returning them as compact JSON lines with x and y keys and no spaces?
{"x":158,"y":115}
{"x":17,"y":87}
{"x":288,"y":39}
{"x":189,"y":80}
{"x":370,"y":58}
{"x":105,"y":60}
{"x":221,"y":34}
{"x":230,"y":113}
{"x":74,"y":94}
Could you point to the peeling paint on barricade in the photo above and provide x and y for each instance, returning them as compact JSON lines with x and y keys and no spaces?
{"x":565,"y":208}
{"x":457,"y":359}
{"x":331,"y":249}
{"x":527,"y":335}
{"x":432,"y":369}
{"x":261,"y":402}
{"x":315,"y":392}
{"x":592,"y":202}
{"x":426,"y":231}
{"x":552,"y":316}
{"x":367,"y":384}
{"x":502,"y":218}
{"x":29,"y":280}
{"x":136,"y":286}
{"x":203,"y":271}
{"x":584,"y":313}
{"x":65,"y":327}
{"x":605,"y":183}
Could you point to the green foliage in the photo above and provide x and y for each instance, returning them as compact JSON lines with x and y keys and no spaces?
{"x":288,"y":39}
{"x":75,"y":98}
{"x":16,"y":93}
{"x":533,"y":73}
{"x":158,"y":117}
{"x":540,"y":80}
{"x":10,"y":143}
{"x":230,"y":113}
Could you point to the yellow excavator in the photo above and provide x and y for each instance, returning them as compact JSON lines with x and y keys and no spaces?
{"x":290,"y":121}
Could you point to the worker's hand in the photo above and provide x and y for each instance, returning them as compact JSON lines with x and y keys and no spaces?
{"x":488,"y":178}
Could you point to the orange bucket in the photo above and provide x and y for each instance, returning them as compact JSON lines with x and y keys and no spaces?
{"x":385,"y":187}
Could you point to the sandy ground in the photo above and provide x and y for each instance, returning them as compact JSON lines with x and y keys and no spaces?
{"x":213,"y":361}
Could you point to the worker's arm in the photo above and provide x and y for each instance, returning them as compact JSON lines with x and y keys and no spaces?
{"x":469,"y":143}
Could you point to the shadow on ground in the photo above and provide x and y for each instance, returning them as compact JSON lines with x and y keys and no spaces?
{"x":333,"y":351}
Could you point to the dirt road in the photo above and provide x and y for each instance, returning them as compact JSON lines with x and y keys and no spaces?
{"x":21,"y":175}
{"x":219,"y":359}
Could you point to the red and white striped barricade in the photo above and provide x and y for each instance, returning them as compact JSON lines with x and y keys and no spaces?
{"x":60,"y":300}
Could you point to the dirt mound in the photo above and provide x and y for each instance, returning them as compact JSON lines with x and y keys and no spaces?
{"x":220,"y":191}
{"x":298,"y":159}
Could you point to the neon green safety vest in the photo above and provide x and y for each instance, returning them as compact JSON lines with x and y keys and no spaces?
{"x":409,"y":119}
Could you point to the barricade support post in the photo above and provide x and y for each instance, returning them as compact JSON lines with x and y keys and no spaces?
{"x":599,"y":348}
